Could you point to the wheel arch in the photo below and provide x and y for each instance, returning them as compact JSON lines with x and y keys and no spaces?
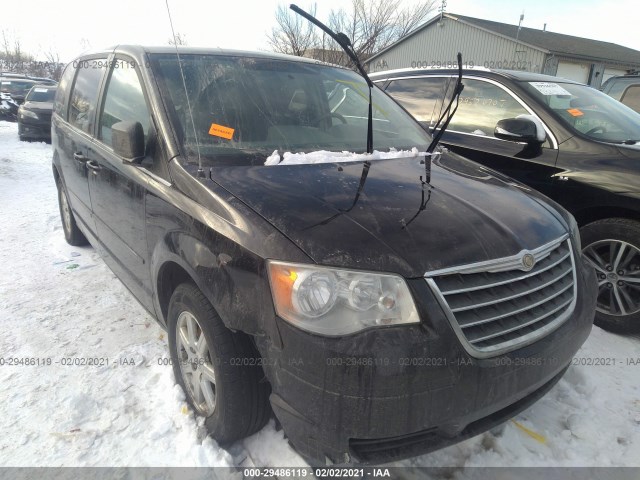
{"x":57,"y":171}
{"x":170,"y":274}
{"x":182,"y":257}
{"x":593,"y":214}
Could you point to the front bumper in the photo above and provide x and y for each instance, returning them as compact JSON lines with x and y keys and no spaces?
{"x":34,"y":129}
{"x":387,"y":394}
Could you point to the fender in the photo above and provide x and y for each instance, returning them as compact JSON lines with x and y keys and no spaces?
{"x":206,"y":242}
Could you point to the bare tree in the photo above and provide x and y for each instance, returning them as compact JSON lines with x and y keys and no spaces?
{"x":15,"y":59}
{"x":54,"y":66}
{"x":179,"y":39}
{"x":371,"y":25}
{"x":85,"y":44}
{"x":12,"y":57}
{"x":6,"y":44}
{"x":12,"y":48}
{"x":293,"y":35}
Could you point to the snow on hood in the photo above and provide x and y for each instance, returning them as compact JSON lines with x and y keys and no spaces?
{"x":324,"y":156}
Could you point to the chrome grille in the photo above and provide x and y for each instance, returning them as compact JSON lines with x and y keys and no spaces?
{"x":497,"y":306}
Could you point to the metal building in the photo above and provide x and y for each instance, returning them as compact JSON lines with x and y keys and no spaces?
{"x":484,"y":43}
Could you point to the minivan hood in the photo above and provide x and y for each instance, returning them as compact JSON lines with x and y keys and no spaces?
{"x":396,"y":223}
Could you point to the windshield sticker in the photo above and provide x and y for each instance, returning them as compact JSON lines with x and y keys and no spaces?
{"x":575,"y":112}
{"x":548,"y":88}
{"x":221,"y":131}
{"x":40,"y":90}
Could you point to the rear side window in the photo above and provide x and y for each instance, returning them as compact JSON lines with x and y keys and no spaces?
{"x":631,"y":98}
{"x":63,"y":88}
{"x":422,"y":97}
{"x":84,"y":95}
{"x":124,"y":101}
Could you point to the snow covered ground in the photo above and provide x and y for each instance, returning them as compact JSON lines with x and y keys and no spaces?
{"x":62,"y":303}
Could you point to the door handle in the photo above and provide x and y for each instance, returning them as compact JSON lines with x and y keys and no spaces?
{"x":78,"y":156}
{"x":93,"y":166}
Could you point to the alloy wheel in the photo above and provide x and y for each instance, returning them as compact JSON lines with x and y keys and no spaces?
{"x":196,"y":366}
{"x":66,"y":212}
{"x":617,"y":265}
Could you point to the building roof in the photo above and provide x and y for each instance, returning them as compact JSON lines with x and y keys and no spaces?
{"x":557,"y":43}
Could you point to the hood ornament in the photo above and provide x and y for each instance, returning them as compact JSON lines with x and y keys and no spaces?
{"x":528,"y":261}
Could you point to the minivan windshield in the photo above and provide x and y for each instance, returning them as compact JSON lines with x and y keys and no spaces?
{"x":245,"y":108}
{"x":588,"y":111}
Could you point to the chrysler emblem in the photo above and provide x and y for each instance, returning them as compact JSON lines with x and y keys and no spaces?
{"x":528,"y":261}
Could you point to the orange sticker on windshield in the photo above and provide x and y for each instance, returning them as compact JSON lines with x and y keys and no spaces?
{"x":221,"y":131}
{"x":575,"y":112}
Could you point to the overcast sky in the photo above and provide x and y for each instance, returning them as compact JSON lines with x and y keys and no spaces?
{"x":69,"y":26}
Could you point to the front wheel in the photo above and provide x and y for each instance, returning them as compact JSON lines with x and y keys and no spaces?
{"x":72,"y":233}
{"x":612,"y":246}
{"x":218,"y":370}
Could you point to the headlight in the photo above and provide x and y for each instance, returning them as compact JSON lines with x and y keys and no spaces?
{"x":575,"y":232}
{"x":331,"y":301}
{"x":28,"y":113}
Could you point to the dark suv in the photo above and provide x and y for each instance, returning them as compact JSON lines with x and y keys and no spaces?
{"x":625,"y":88}
{"x":564,"y":139}
{"x":34,"y":115}
{"x":383,"y":305}
{"x":16,"y":86}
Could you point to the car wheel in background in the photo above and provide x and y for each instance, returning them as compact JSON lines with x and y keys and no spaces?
{"x":219,"y":370}
{"x":72,"y":233}
{"x":612,"y":246}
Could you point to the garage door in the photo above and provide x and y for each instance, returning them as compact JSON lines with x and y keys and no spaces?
{"x":578,"y":72}
{"x":611,"y":72}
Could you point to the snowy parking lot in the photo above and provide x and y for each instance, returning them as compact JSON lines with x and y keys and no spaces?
{"x":85,"y":380}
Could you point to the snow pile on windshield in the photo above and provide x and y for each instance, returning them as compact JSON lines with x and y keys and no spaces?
{"x":324,"y":156}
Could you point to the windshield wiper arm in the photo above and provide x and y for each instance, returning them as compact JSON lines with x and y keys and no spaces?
{"x":448,"y":113}
{"x":344,"y":42}
{"x":363,"y":179}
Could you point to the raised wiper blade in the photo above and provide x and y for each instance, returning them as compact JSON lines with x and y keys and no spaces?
{"x":344,"y":42}
{"x":448,"y":113}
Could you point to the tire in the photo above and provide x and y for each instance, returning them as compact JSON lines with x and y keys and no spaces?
{"x":612,"y":246}
{"x":72,"y":233}
{"x":235,"y":404}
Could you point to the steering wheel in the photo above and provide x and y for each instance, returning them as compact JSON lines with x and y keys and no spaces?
{"x":595,"y":129}
{"x":330,"y":115}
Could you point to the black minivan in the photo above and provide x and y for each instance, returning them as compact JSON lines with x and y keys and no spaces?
{"x":381,"y":305}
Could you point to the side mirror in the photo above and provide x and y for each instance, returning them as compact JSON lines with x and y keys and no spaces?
{"x":525,"y":129}
{"x":127,"y":139}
